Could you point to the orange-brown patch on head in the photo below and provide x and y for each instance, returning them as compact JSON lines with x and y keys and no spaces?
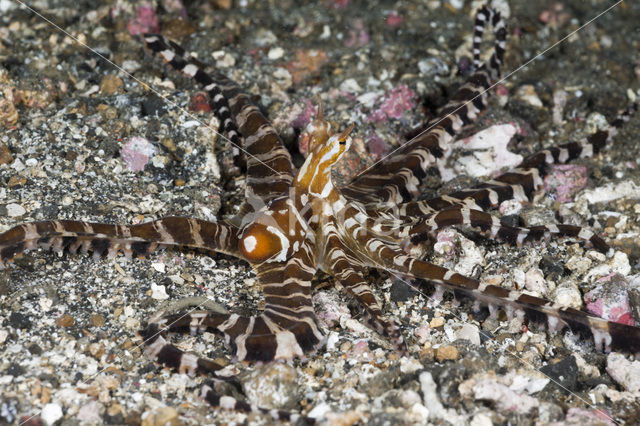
{"x":259,"y":244}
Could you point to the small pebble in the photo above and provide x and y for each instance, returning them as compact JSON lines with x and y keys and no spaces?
{"x":8,"y":110}
{"x":51,"y":413}
{"x":350,"y":85}
{"x":559,"y":102}
{"x":159,"y":266}
{"x":15,"y":210}
{"x":330,"y":309}
{"x":409,"y":365}
{"x":395,"y":102}
{"x":162,"y":416}
{"x":159,"y":161}
{"x":176,"y":279}
{"x":534,"y":281}
{"x":275,"y":53}
{"x":96,"y":350}
{"x":15,"y":370}
{"x":306,"y":64}
{"x":394,"y":20}
{"x":158,"y":292}
{"x":5,"y":155}
{"x":90,"y":412}
{"x":154,"y":106}
{"x":198,"y":103}
{"x":624,"y":372}
{"x":510,"y":207}
{"x":132,"y":323}
{"x":65,"y":320}
{"x":433,"y":66}
{"x":283,"y":78}
{"x":430,"y":394}
{"x":410,"y":397}
{"x":223,"y":59}
{"x":419,"y":411}
{"x":422,"y":333}
{"x":16,"y":181}
{"x":481,"y":419}
{"x":19,"y":320}
{"x":563,"y":371}
{"x":332,"y":340}
{"x":469,"y":332}
{"x":9,"y":407}
{"x":527,"y":94}
{"x":320,"y":411}
{"x":447,"y":353}
{"x":18,"y":165}
{"x":436,"y":322}
{"x":178,"y":28}
{"x":427,"y":354}
{"x":568,"y":295}
{"x":96,"y":320}
{"x":273,"y":385}
{"x":111,"y":84}
{"x":130,"y":65}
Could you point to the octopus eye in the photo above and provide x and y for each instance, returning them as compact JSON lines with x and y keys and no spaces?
{"x":260,"y":244}
{"x":342,"y":142}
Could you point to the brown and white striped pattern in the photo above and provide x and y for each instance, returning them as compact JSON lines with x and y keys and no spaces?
{"x":303,"y":224}
{"x":521,"y":183}
{"x":398,"y":177}
{"x":346,"y":267}
{"x":287,"y":327}
{"x":494,"y":228}
{"x":105,"y":239}
{"x":607,"y":336}
{"x":269,"y":168}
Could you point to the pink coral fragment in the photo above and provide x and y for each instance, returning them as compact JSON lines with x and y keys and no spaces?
{"x":501,"y":90}
{"x":301,"y":120}
{"x":394,"y":20}
{"x":146,"y":21}
{"x":329,"y":309}
{"x":565,"y":180}
{"x":174,"y":6}
{"x":136,"y":153}
{"x":360,"y":351}
{"x":298,"y":116}
{"x":396,"y":102}
{"x":358,"y":36}
{"x":377,"y":146}
{"x":610,"y":300}
{"x":555,"y":16}
{"x":577,"y":415}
